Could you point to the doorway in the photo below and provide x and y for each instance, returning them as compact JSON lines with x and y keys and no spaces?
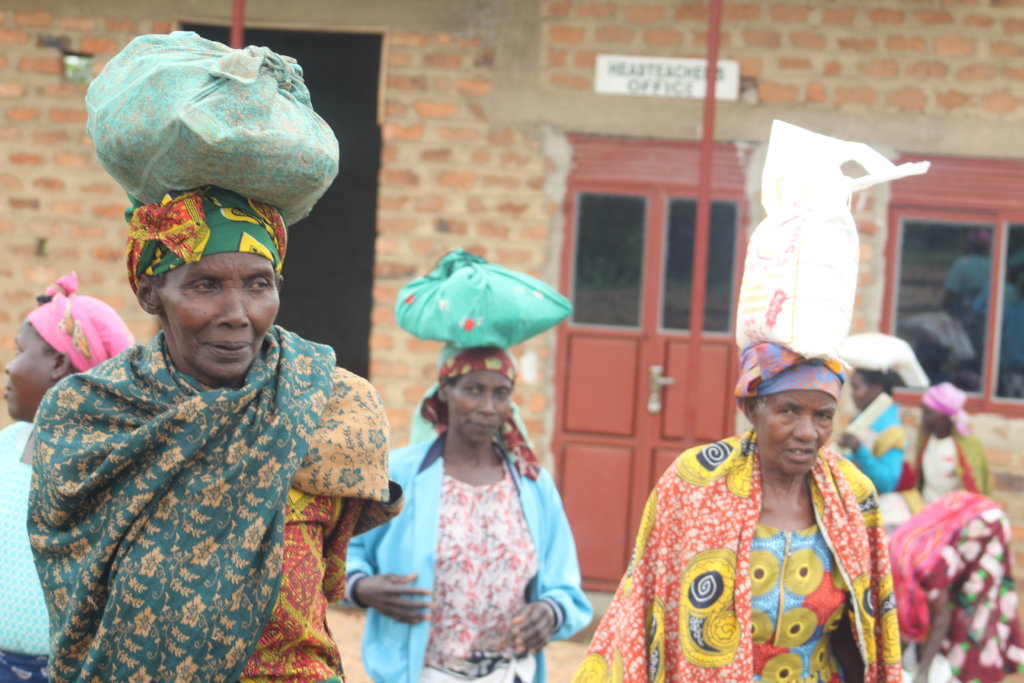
{"x":328,"y":271}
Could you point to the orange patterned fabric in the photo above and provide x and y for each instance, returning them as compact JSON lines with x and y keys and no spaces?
{"x":296,"y":645}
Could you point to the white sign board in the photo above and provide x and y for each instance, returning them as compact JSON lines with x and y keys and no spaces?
{"x":664,"y":77}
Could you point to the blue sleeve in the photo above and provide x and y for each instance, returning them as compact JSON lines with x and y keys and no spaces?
{"x":883,"y":470}
{"x":558,"y":578}
{"x":361,"y":557}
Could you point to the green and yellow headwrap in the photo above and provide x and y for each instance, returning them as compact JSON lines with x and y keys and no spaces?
{"x":186,"y":226}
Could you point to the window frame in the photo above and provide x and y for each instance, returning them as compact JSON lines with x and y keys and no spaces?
{"x":942,"y":200}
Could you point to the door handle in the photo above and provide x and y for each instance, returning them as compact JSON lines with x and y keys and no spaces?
{"x":657,"y":381}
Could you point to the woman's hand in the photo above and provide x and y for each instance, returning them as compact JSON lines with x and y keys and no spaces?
{"x":849,"y":442}
{"x":532,"y":627}
{"x":389,"y":595}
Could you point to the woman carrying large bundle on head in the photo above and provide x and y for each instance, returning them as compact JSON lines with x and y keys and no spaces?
{"x":762,"y":556}
{"x":480,"y":571}
{"x":194,"y":497}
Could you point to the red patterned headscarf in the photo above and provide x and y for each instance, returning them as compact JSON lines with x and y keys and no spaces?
{"x":768,"y":368}
{"x":511,"y":435}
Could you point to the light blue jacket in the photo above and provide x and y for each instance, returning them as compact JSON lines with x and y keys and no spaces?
{"x":883,"y":462}
{"x":393,"y":651}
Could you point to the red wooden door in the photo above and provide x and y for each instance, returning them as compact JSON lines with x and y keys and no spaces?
{"x":624,"y":408}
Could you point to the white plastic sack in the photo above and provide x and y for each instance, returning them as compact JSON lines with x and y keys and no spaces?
{"x":881,"y":352}
{"x":177,"y":111}
{"x":800,"y":274}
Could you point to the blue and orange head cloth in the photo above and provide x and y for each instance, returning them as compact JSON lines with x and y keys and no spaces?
{"x":458,"y":362}
{"x":768,"y":368}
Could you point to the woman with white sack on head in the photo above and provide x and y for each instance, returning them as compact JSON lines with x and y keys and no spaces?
{"x":480,"y":571}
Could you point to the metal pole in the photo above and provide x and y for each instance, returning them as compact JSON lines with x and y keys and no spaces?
{"x":237,"y":24}
{"x":701,"y":239}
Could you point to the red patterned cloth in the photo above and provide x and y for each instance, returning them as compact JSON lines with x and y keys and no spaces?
{"x":296,"y":645}
{"x":485,"y":559}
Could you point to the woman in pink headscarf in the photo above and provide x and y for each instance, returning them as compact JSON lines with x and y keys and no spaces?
{"x":67,"y":333}
{"x":954,"y":586}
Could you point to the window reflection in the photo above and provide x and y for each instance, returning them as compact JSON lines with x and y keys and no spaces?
{"x":942,"y":306}
{"x":1011,"y":342}
{"x":609,"y":260}
{"x":718,"y":297}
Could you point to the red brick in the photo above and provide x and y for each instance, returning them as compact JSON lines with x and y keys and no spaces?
{"x":67,"y":208}
{"x":659,"y":37}
{"x":750,"y":67}
{"x":513,"y":208}
{"x":447,"y":60}
{"x":559,"y":10}
{"x":391,"y":203}
{"x":11,"y":36}
{"x":790,"y":14}
{"x":905,"y":43}
{"x":907,"y":99}
{"x":975,"y":72}
{"x":952,"y":99}
{"x":162,"y":26}
{"x":22,"y":113}
{"x":585,"y":59}
{"x":10,"y":181}
{"x":436,"y":110}
{"x":399,"y":59}
{"x":1014,"y":74}
{"x":1000,"y":102}
{"x":416,"y":39}
{"x":396,"y":225}
{"x":763,"y":38}
{"x":569,"y":35}
{"x":1003,"y":49}
{"x":794,"y":63}
{"x":12,"y":89}
{"x":429,"y":204}
{"x":78,"y":23}
{"x":102,"y":187}
{"x":68,"y":115}
{"x":777,"y":93}
{"x":614,"y":34}
{"x":816,"y":93}
{"x":443,"y":154}
{"x":858,"y":44}
{"x":24,"y":203}
{"x":557,"y":58}
{"x":982,"y":20}
{"x":485,"y":58}
{"x":861,"y":95}
{"x":881,"y":67}
{"x":596,"y":10}
{"x":839,"y":17}
{"x":571,"y":82}
{"x":473,"y":86}
{"x":459,"y":134}
{"x":399,"y":82}
{"x":740,"y":12}
{"x":34,"y":19}
{"x":109,"y":210}
{"x":451,"y":227}
{"x":644,"y":14}
{"x":398,"y":176}
{"x":807,"y":39}
{"x":52,"y":184}
{"x":832,"y":69}
{"x":63,"y":89}
{"x":120,"y":25}
{"x":886,"y":17}
{"x":394,"y":109}
{"x":928,"y":69}
{"x":502,"y":181}
{"x":44,"y":65}
{"x":94,"y":45}
{"x":460,"y":179}
{"x":1013,"y":27}
{"x":954,"y":46}
{"x":489,"y":229}
{"x":934,"y":17}
{"x":695,"y":12}
{"x":26,"y":159}
{"x":51,"y":137}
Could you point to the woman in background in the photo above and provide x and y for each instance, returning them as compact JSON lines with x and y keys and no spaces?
{"x":875,"y":440}
{"x":67,"y":333}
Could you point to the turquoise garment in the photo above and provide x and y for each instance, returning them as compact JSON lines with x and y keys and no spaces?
{"x":24,"y":626}
{"x":882,"y":461}
{"x":798,"y":598}
{"x":393,"y":651}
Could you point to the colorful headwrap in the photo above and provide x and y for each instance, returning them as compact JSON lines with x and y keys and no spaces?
{"x":947,"y":399}
{"x":86,"y":330}
{"x":458,"y":362}
{"x":768,"y":368}
{"x":186,"y":226}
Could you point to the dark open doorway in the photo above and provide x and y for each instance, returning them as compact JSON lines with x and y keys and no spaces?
{"x":329,"y":267}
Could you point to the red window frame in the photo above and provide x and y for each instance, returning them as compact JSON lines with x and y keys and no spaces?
{"x":961,"y":190}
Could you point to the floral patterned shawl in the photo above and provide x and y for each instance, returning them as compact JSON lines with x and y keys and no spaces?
{"x":682,"y":611}
{"x":158,"y":506}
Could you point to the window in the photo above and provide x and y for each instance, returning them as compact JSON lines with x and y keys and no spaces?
{"x":956,"y":277}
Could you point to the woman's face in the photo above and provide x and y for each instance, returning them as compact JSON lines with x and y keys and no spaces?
{"x":791,"y":427}
{"x":35,"y":368}
{"x":863,"y":392}
{"x":215,"y":314}
{"x":478,"y":402}
{"x":935,"y":423}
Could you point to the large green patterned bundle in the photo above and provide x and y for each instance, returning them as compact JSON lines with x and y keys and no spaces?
{"x":175,"y":112}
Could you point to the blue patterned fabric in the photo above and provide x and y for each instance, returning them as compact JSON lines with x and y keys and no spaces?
{"x":24,"y":625}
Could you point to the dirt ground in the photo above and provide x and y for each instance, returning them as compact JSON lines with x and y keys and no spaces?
{"x":347,"y":626}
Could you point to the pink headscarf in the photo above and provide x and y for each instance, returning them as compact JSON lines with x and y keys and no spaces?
{"x":87,"y":330}
{"x":947,"y":399}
